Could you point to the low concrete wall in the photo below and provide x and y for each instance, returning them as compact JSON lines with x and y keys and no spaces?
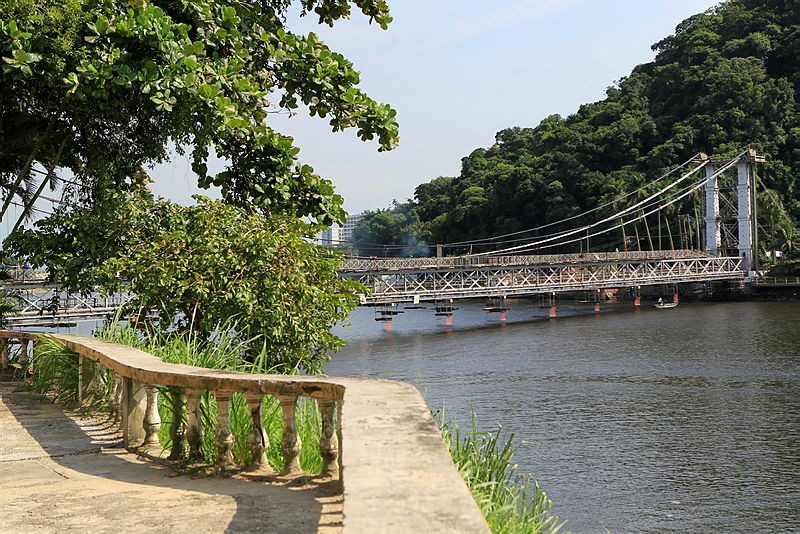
{"x":397,"y":473}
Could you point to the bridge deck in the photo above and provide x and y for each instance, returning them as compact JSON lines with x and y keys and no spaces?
{"x":429,"y":279}
{"x":63,"y":472}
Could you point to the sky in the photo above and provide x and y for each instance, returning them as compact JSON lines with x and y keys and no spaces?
{"x":457,"y":72}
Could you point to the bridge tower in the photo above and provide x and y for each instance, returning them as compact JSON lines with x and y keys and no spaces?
{"x":730,"y":209}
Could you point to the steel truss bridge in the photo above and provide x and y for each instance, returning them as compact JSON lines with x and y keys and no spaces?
{"x":730,"y":243}
{"x":438,"y":279}
{"x":50,"y":305}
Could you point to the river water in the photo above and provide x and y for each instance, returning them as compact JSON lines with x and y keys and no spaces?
{"x":680,"y":420}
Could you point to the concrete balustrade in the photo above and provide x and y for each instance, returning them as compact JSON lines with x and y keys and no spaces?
{"x":377,"y":437}
{"x":25,"y":340}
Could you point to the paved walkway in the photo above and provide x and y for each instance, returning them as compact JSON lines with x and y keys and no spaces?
{"x":61,"y":472}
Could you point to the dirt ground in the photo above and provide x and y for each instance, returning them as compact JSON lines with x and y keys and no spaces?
{"x":63,"y":472}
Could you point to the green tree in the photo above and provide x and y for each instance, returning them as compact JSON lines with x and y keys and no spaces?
{"x":726,"y":79}
{"x":204,"y":265}
{"x":103,"y":87}
{"x":389,"y":232}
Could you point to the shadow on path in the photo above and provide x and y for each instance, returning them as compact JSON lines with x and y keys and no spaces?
{"x":60,"y":471}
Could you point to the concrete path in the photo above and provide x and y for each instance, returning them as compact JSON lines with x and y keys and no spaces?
{"x":62,"y":472}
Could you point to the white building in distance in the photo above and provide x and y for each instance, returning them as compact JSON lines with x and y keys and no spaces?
{"x":329,"y":237}
{"x":346,"y":233}
{"x":339,"y":234}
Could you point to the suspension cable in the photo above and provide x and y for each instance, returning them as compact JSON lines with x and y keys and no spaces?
{"x":602,"y":221}
{"x":579,"y":215}
{"x":675,"y":198}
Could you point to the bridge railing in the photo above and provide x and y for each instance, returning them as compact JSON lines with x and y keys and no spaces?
{"x":352,"y":265}
{"x":24,"y":273}
{"x":377,"y":437}
{"x":55,"y":300}
{"x":526,"y":280}
{"x":776,"y":281}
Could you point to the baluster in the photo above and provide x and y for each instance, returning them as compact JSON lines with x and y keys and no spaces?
{"x":291,"y":441}
{"x":4,"y":353}
{"x":115,"y":397}
{"x":194,"y":429}
{"x":177,"y":429}
{"x":224,"y":438}
{"x":23,"y":353}
{"x":134,"y":407}
{"x":84,"y":379}
{"x":152,"y":419}
{"x":258,"y":440}
{"x":329,"y":441}
{"x":339,"y":432}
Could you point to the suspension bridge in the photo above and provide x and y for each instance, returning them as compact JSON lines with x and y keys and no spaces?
{"x":721,"y":247}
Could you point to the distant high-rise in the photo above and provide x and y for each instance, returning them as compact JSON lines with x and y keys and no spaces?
{"x":346,"y":233}
{"x":336,"y":234}
{"x":329,"y":237}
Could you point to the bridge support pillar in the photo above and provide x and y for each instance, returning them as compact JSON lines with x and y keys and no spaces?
{"x":745,"y":191}
{"x":713,"y":230}
{"x":730,"y":209}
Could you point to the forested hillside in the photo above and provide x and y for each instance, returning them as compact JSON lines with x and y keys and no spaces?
{"x":726,"y":79}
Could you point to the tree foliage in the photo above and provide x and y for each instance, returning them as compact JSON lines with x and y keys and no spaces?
{"x":726,"y":79}
{"x":203,"y":265}
{"x":389,"y":232}
{"x":102,"y":87}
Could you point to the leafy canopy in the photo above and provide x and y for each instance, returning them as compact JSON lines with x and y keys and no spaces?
{"x":102,"y":87}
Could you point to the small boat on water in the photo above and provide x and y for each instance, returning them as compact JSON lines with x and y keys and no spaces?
{"x":664,"y":305}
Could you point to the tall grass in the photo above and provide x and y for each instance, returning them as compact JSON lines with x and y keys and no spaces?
{"x":222,"y":350}
{"x":55,"y":374}
{"x":510,"y":502}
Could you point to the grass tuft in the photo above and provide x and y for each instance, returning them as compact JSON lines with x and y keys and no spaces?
{"x":510,"y":502}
